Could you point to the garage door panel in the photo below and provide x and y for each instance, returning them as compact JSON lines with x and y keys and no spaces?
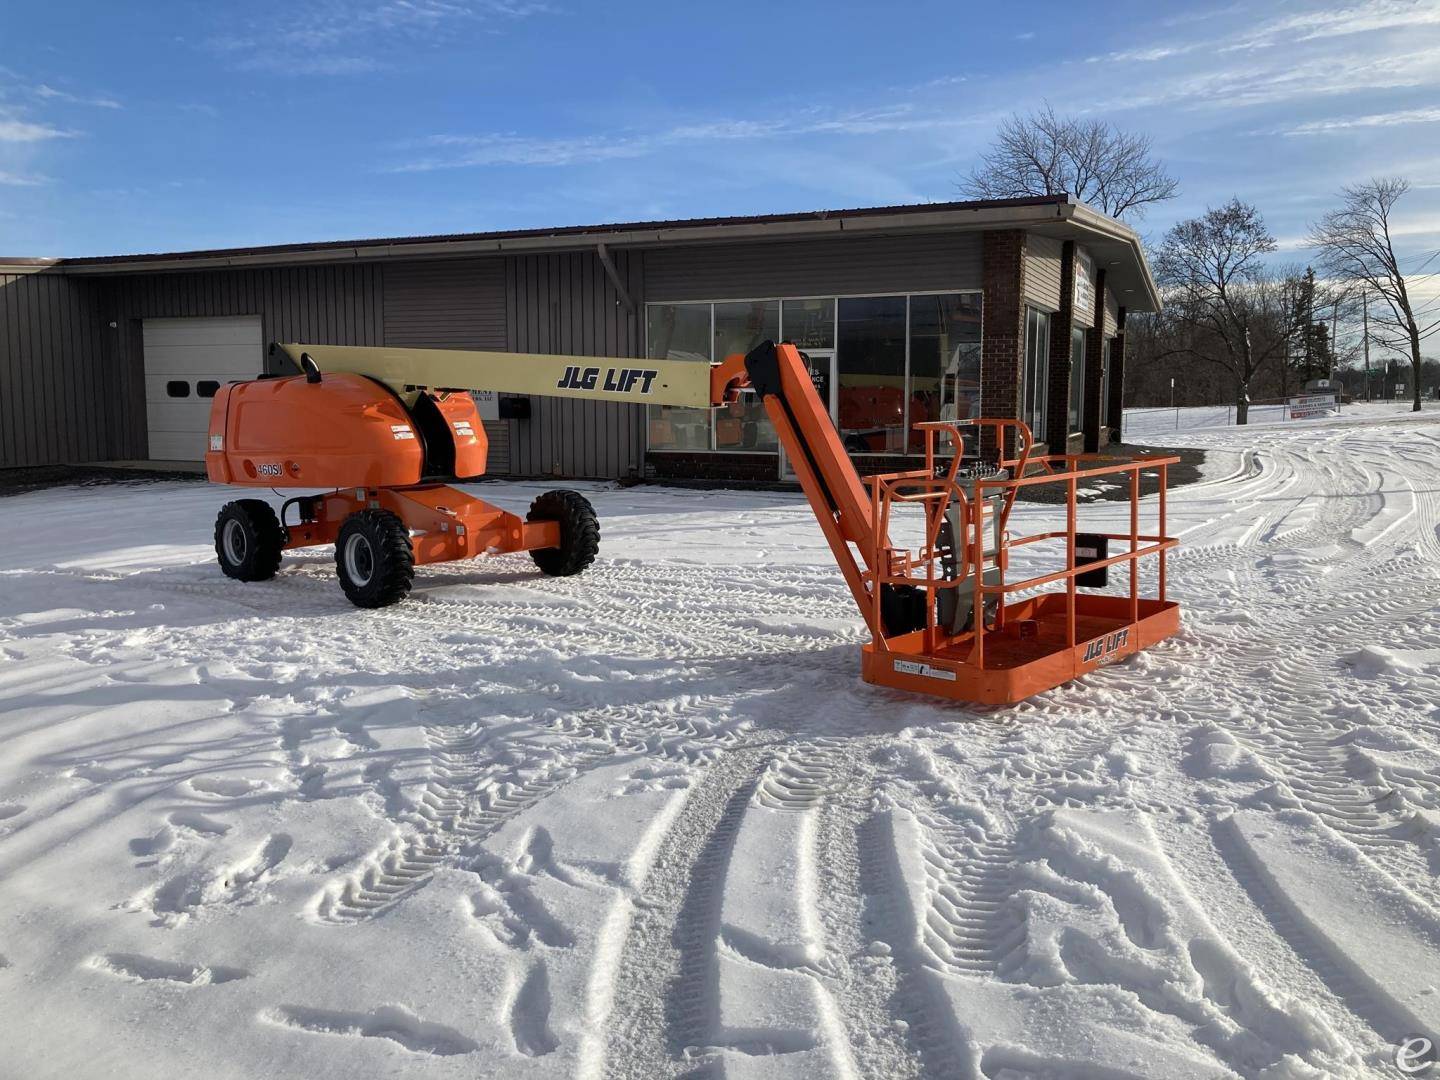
{"x":178,"y":416}
{"x":192,"y":351}
{"x":157,"y":387}
{"x":204,"y":359}
{"x":229,"y":330}
{"x":176,"y":446}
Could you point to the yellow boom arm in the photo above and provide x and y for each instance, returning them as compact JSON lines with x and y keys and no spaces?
{"x":659,"y":382}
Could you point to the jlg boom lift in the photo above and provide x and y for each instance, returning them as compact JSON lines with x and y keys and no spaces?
{"x":382,"y":430}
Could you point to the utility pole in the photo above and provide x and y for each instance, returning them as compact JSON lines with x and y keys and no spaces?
{"x":1365,"y":309}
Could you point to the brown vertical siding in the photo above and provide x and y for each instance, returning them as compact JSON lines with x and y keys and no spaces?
{"x":1042,"y":271}
{"x":330,"y":305}
{"x":451,"y":305}
{"x":565,"y":303}
{"x":832,"y":267}
{"x":52,"y":376}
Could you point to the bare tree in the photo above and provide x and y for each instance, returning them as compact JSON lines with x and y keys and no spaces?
{"x":1046,"y":154}
{"x":1356,"y":245}
{"x":1225,"y":306}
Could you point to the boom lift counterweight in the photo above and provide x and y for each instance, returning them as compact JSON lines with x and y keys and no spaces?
{"x":385,"y":428}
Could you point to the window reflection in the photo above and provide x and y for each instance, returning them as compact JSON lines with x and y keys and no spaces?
{"x":870,"y":352}
{"x":1036,"y":380}
{"x":739,"y":327}
{"x":678,"y":332}
{"x":944,"y":360}
{"x":810,"y":324}
{"x":1077,"y":378}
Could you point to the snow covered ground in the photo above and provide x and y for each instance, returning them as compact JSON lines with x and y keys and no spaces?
{"x":650,"y":820}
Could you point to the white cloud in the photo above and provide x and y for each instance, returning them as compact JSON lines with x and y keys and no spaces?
{"x":1340,"y":22}
{"x":351,"y":37}
{"x":1314,"y":25}
{"x":49,"y":93}
{"x":1253,"y":82}
{"x":515,"y":149}
{"x":10,"y":179}
{"x":1373,"y":120}
{"x":15,"y":130}
{"x":1143,"y":56}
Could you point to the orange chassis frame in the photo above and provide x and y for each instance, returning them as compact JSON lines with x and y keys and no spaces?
{"x":1034,"y":642}
{"x":445,"y":523}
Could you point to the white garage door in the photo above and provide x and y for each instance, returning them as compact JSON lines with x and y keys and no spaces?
{"x":186,"y":361}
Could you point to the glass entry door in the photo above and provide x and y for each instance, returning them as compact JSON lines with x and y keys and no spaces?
{"x":823,"y":375}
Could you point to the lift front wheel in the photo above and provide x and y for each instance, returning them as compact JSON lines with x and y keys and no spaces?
{"x":579,"y":532}
{"x":374,"y":558}
{"x":248,"y":540}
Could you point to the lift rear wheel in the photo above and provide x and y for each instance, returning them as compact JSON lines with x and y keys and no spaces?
{"x":374,"y":559}
{"x":248,"y":540}
{"x":579,"y":532}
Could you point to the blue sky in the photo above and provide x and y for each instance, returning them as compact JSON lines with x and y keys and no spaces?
{"x":174,"y":125}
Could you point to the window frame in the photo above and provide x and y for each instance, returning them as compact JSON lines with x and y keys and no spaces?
{"x":1075,"y":392}
{"x":1037,"y":419}
{"x":834,"y":299}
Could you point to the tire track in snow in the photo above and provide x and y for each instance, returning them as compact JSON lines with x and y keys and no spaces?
{"x":1310,"y":952}
{"x":464,"y":801}
{"x":662,"y":992}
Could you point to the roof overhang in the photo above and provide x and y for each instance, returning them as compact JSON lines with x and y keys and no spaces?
{"x":1114,"y":245}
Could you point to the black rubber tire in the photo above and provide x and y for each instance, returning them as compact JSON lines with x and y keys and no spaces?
{"x":374,"y":559}
{"x":248,"y":540}
{"x":579,"y":532}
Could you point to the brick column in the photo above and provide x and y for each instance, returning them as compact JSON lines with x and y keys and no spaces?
{"x":1002,"y":344}
{"x":1115,"y":407}
{"x":1092,"y":408}
{"x":1057,"y":419}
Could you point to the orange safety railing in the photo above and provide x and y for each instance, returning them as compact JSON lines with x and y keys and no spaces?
{"x":935,"y":490}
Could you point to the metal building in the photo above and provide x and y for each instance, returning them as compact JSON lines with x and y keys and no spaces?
{"x":996,"y":308}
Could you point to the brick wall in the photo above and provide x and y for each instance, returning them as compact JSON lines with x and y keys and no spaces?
{"x":1002,"y":349}
{"x":745,"y":468}
{"x":1057,"y":414}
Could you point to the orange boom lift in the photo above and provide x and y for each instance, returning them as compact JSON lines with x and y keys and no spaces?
{"x":384,"y":429}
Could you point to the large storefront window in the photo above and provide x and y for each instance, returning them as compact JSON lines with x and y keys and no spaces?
{"x":899,"y":360}
{"x":1077,"y":380}
{"x":944,"y":360}
{"x":678,"y":332}
{"x":810,"y":324}
{"x":1036,"y":380}
{"x":739,"y":327}
{"x":871,"y":358}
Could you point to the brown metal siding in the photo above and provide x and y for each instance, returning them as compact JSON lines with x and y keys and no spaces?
{"x":451,"y":305}
{"x":1042,"y":272}
{"x":565,"y":303}
{"x":839,"y":267}
{"x":54,"y":384}
{"x":329,"y":305}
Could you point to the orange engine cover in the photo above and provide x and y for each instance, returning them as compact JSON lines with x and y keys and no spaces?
{"x":343,"y":431}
